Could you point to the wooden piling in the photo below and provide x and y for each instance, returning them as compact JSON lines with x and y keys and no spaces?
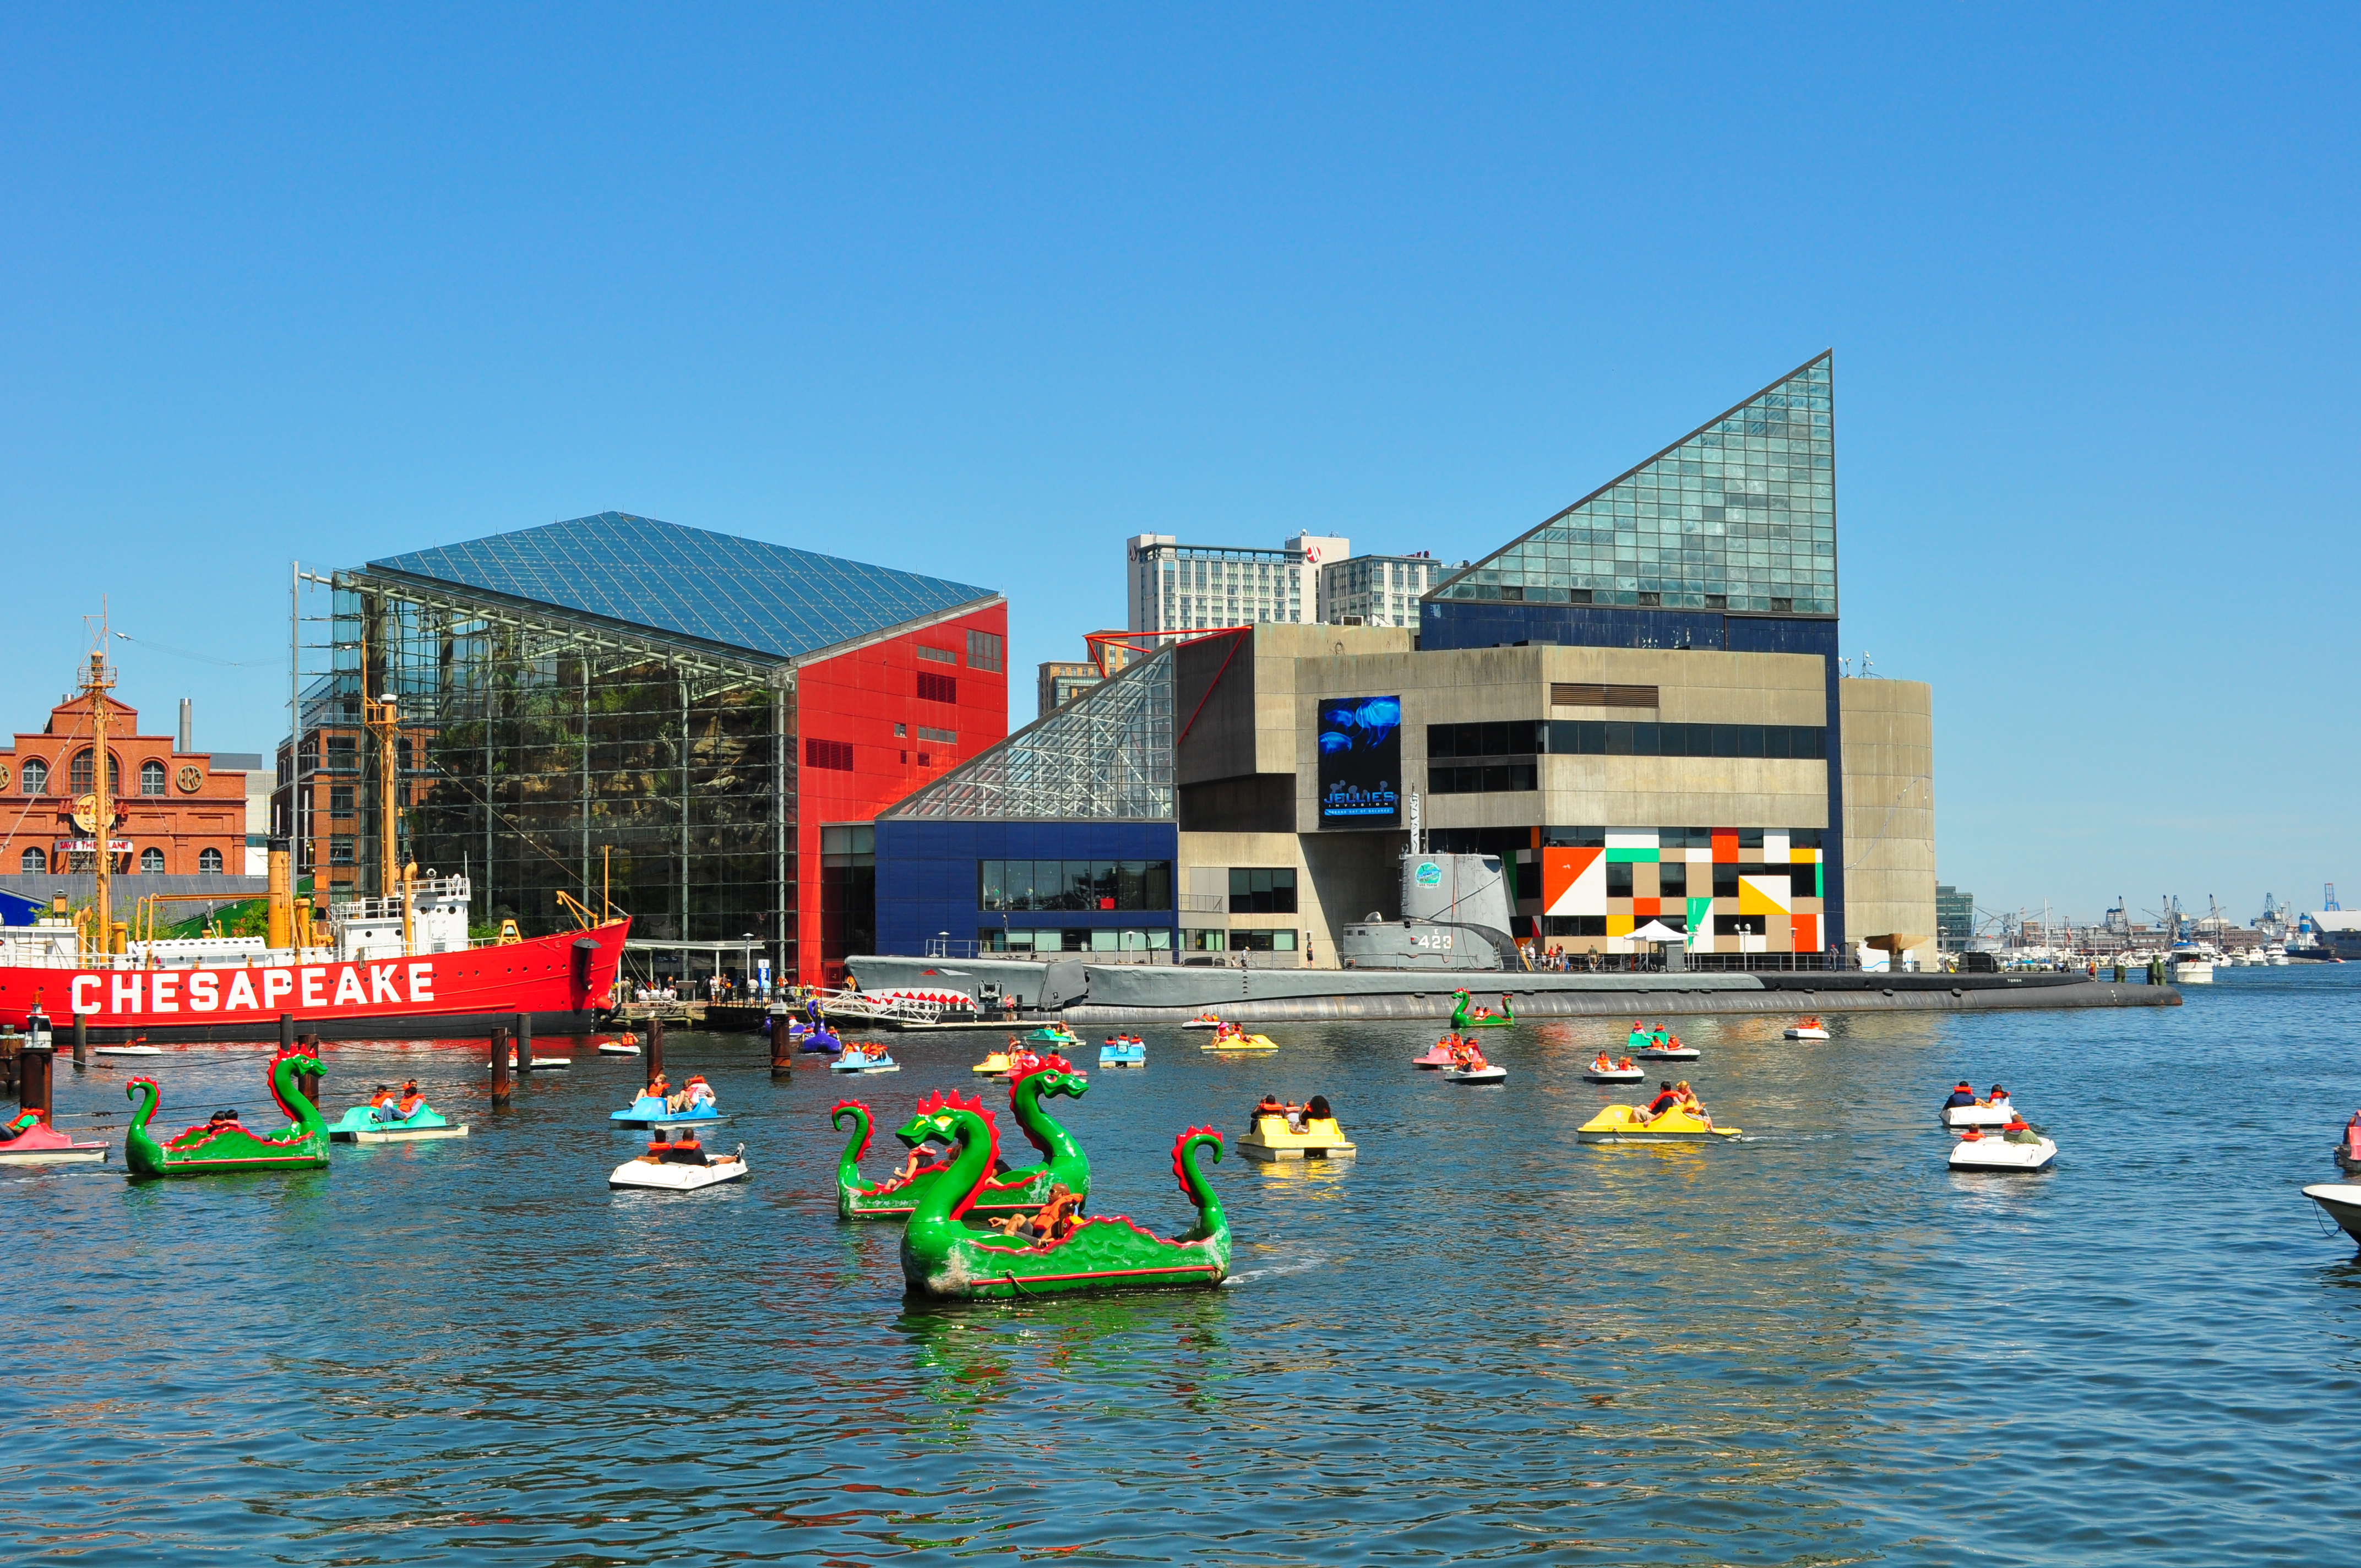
{"x":500,"y":1087}
{"x":81,"y":1041}
{"x":34,"y":1065}
{"x":286,"y":1031}
{"x":11,"y":1044}
{"x":656,"y":1046}
{"x":782,"y":1047}
{"x":524,"y":1043}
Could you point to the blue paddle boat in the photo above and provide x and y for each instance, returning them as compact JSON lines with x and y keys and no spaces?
{"x":1122,"y":1050}
{"x":864,"y":1058}
{"x":820,"y":1040}
{"x":648,"y":1111}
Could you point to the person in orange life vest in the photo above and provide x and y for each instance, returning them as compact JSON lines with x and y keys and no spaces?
{"x":1688,"y":1101}
{"x":1056,"y":1221}
{"x":698,"y":1093}
{"x":380,"y":1104}
{"x":659,"y":1088}
{"x":1270,"y":1105}
{"x":686,"y":1149}
{"x":1972,"y":1136}
{"x":1600,"y":1064}
{"x":1998,"y":1096}
{"x":410,"y":1103}
{"x":1960,"y":1096}
{"x":2019,"y":1131}
{"x":1666,"y":1097}
{"x":658,"y":1148}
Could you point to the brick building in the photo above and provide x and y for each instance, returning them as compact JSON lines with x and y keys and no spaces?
{"x":175,"y":813}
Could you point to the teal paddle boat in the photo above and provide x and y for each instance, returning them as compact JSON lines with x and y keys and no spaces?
{"x":648,"y":1111}
{"x":384,"y":1124}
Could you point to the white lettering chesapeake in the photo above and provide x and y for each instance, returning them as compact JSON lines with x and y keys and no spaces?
{"x":160,"y":996}
{"x":82,"y":1004}
{"x":349,"y":984}
{"x":276,"y":983}
{"x":122,"y":995}
{"x":241,"y":991}
{"x":382,"y":987}
{"x":205,"y":991}
{"x":312,"y":995}
{"x":422,"y":983}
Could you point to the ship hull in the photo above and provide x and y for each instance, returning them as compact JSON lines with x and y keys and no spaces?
{"x":562,"y":981}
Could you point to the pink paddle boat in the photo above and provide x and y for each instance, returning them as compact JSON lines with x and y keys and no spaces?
{"x":1439,"y":1056}
{"x":30,"y":1141}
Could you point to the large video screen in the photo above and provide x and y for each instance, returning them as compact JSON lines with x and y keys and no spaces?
{"x":1360,"y":762}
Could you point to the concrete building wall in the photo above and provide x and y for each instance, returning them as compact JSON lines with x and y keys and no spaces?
{"x":1889,"y":807}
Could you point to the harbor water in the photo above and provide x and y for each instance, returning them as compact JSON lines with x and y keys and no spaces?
{"x":1480,"y":1341}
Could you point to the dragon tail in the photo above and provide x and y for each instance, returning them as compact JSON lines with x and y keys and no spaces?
{"x":1211,"y":1219}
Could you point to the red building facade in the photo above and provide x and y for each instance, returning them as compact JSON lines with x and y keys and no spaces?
{"x":175,"y":814}
{"x":871,"y":725}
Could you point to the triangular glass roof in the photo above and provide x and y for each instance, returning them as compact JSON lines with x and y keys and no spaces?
{"x":739,"y":593}
{"x":1739,"y":514}
{"x":1105,"y":756}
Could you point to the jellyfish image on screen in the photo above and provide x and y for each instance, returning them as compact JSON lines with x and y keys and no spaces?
{"x":1360,"y":762}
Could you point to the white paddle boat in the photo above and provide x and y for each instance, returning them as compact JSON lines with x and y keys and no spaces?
{"x":2342,"y":1202}
{"x":1487,"y":1072}
{"x":1980,"y":1150}
{"x":541,"y":1063}
{"x":1601,"y":1070}
{"x":1669,"y":1053}
{"x":667,"y":1167}
{"x":1808,"y":1029}
{"x":126,"y":1051}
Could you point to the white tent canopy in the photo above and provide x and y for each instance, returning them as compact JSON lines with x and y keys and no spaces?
{"x":1657,"y":931}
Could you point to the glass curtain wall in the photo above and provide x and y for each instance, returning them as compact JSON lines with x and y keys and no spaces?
{"x":547,"y":755}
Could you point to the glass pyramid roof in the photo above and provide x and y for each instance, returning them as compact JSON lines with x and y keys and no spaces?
{"x":1105,"y":756}
{"x":740,"y":592}
{"x":1740,"y":514}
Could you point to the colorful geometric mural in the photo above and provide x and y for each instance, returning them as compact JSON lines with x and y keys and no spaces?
{"x":1732,"y":890}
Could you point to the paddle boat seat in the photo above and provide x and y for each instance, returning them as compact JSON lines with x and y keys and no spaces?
{"x":1631,"y":1124}
{"x":1274,"y":1139}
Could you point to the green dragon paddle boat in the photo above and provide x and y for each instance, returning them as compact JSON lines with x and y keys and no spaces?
{"x":206,"y":1150}
{"x":942,"y":1256}
{"x":1005,"y":1192}
{"x":1463,"y":1017}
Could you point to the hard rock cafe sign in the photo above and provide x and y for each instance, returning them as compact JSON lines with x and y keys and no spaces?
{"x":85,"y":812}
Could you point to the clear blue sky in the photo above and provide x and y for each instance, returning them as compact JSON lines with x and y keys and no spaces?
{"x":982,"y":291}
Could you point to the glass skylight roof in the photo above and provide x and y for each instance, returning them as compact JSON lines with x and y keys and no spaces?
{"x":1740,"y":515}
{"x":740,"y":592}
{"x":1105,"y":756}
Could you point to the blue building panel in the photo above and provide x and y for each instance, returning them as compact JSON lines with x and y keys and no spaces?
{"x":927,"y":876}
{"x":736,"y":593}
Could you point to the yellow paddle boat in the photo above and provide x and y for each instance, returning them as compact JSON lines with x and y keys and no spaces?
{"x":1631,"y":1124}
{"x":995,"y":1065}
{"x":1231,"y":1037}
{"x":1312,"y":1136}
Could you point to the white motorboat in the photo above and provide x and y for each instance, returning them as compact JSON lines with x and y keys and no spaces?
{"x":1669,"y":1053}
{"x":1487,"y":1073}
{"x":680,"y":1175}
{"x":2191,"y":965}
{"x":542,"y":1063}
{"x":2342,"y":1201}
{"x":126,"y":1051}
{"x":397,"y":1133}
{"x":1990,"y":1153}
{"x":617,"y":1049}
{"x":1996,"y":1113}
{"x":1614,"y":1075}
{"x":1808,"y":1032}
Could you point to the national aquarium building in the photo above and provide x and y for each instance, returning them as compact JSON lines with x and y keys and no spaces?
{"x":1636,"y":708}
{"x":698,"y":725}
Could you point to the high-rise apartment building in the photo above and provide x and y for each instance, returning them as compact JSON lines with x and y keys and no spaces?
{"x":1377,"y":590}
{"x":1173,"y":586}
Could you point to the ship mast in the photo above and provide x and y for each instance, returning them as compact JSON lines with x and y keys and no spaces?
{"x":382,"y":718}
{"x":96,"y":682}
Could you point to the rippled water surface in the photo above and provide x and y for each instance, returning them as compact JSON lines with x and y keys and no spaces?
{"x":1481,"y":1341}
